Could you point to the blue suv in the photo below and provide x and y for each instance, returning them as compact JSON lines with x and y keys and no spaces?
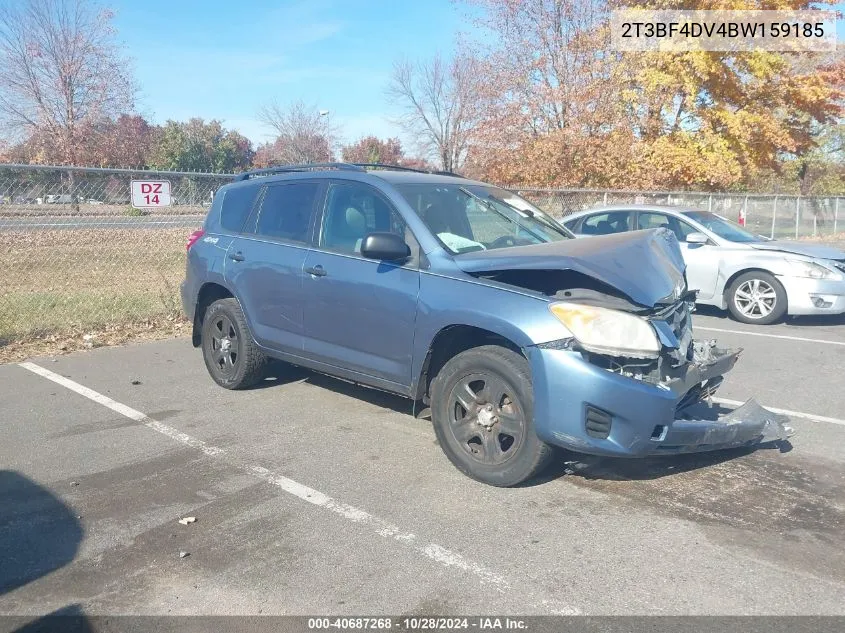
{"x":468,"y":298}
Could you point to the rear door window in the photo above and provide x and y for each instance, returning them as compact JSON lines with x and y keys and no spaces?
{"x":287,"y":210}
{"x":606,"y":223}
{"x":236,"y":207}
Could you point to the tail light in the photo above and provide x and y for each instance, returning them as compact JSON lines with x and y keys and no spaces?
{"x":194,"y":237}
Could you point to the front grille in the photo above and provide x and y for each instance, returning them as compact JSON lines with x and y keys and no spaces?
{"x":679,"y":319}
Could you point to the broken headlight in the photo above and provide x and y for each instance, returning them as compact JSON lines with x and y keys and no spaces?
{"x":606,"y":331}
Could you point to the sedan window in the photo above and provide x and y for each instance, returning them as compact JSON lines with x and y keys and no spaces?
{"x":723,"y":228}
{"x":606,"y":223}
{"x":653,"y":220}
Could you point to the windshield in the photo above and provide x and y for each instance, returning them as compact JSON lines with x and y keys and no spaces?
{"x":722,"y":227}
{"x":469,"y":218}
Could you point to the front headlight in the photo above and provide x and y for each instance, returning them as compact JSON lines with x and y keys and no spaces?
{"x":608,"y":331}
{"x":800,"y":268}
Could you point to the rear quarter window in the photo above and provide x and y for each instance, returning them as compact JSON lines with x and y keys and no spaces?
{"x":236,"y":207}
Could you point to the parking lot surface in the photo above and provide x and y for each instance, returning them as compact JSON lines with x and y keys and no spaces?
{"x":312,"y":495}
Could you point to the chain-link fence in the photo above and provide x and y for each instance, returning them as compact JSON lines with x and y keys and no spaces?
{"x":78,"y":256}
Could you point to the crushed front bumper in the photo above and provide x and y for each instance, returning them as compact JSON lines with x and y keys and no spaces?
{"x":746,"y":425}
{"x":642,"y":418}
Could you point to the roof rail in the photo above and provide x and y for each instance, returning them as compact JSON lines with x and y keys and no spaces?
{"x":390,"y":166}
{"x":282,"y":169}
{"x":403,"y":168}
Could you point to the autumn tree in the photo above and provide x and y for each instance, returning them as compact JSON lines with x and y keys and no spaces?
{"x":561,"y":108}
{"x":371,"y":149}
{"x":304,"y":134}
{"x":195,"y":145}
{"x":437,"y":98}
{"x":62,"y":72}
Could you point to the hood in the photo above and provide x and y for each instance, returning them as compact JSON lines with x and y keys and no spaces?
{"x":646,"y":266}
{"x":800,"y":248}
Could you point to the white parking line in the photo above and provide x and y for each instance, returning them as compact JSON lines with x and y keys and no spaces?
{"x":432,"y":551}
{"x":782,"y":336}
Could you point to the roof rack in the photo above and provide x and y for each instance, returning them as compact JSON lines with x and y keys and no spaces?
{"x":403,"y":168}
{"x":390,"y":166}
{"x":282,"y":169}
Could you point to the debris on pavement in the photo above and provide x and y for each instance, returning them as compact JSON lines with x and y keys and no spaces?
{"x":135,"y":381}
{"x":187,"y":520}
{"x":74,"y":483}
{"x":184,"y":554}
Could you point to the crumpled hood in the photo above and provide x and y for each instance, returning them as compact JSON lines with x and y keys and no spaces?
{"x":800,"y":248}
{"x":646,"y":266}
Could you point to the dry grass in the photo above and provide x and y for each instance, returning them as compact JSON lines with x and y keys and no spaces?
{"x":62,"y":284}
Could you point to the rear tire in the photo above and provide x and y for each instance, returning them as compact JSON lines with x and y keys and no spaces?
{"x":482,"y":407}
{"x":757,"y":297}
{"x":231,"y":356}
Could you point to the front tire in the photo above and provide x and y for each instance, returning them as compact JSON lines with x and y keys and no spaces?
{"x":482,"y":407}
{"x":757,"y":297}
{"x":231,"y":356}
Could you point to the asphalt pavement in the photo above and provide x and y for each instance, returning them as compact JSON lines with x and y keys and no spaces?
{"x":312,"y":496}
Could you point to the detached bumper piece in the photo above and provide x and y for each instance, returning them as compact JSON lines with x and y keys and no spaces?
{"x":747,"y":425}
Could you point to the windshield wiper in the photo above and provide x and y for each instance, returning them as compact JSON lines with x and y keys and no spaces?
{"x":492,"y":208}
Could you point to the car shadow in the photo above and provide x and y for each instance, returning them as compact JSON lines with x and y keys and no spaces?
{"x":280,"y":373}
{"x":592,"y":467}
{"x":792,"y":321}
{"x":569,"y":463}
{"x":69,"y":619}
{"x":38,"y":532}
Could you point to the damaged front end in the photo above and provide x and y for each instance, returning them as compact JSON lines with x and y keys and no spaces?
{"x":611,"y":388}
{"x":692,"y":371}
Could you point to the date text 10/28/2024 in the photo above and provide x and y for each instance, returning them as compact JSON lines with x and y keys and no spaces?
{"x":417,"y":623}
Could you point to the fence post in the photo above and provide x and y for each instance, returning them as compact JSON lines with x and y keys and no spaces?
{"x":774,"y":215}
{"x":797,"y":214}
{"x":835,"y":214}
{"x":710,"y":203}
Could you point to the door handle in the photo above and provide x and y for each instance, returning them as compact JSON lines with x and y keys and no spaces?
{"x":316,"y":271}
{"x":238,"y":257}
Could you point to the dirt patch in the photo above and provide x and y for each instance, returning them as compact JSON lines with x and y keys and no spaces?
{"x":68,"y":341}
{"x":762,"y":490}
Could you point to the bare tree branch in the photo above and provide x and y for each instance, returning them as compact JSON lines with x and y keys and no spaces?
{"x":437,"y":98}
{"x":61,"y":71}
{"x":304,"y":135}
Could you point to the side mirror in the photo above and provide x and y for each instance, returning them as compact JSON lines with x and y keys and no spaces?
{"x":387,"y":247}
{"x":697,"y":238}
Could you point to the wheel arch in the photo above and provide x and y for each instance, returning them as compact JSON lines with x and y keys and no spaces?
{"x":750,"y":269}
{"x":451,"y":340}
{"x":209,"y":292}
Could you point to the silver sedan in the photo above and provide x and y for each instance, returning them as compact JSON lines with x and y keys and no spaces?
{"x":759,"y":280}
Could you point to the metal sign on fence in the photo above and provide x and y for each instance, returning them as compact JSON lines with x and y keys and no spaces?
{"x":150,"y":193}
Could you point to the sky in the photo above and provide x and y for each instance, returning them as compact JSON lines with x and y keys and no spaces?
{"x":223,"y":60}
{"x":219,"y":59}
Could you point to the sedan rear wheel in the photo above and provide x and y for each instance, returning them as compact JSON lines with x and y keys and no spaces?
{"x":757,"y":297}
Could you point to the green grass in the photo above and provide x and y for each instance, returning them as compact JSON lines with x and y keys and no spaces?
{"x":79,"y":280}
